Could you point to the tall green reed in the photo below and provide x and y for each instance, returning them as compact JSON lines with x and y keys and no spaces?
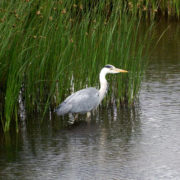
{"x":52,"y":48}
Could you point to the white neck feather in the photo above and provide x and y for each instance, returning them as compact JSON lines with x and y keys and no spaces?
{"x":103,"y":84}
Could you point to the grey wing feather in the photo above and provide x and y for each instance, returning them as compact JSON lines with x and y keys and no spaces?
{"x":80,"y":102}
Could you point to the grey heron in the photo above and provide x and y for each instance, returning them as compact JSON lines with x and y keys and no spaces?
{"x":85,"y":100}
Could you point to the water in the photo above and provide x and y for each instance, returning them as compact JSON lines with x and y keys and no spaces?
{"x":129,"y":144}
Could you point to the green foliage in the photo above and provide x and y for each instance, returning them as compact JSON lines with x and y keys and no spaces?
{"x":50,"y":48}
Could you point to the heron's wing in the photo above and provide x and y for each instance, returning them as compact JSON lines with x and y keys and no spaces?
{"x":83,"y":101}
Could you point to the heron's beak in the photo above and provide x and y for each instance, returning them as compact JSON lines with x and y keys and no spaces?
{"x":120,"y":70}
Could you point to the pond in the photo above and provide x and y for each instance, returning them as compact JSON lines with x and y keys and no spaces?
{"x":137,"y":143}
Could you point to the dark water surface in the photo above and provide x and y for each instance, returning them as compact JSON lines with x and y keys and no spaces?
{"x":128,"y":144}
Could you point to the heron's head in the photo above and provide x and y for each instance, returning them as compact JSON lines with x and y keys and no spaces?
{"x":110,"y":69}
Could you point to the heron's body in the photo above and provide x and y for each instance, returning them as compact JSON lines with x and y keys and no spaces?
{"x":81,"y":102}
{"x":85,"y":100}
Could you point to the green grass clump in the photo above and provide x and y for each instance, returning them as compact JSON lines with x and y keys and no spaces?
{"x":49,"y":49}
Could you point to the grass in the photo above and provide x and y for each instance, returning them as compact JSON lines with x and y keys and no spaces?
{"x":155,"y":8}
{"x":49,"y":49}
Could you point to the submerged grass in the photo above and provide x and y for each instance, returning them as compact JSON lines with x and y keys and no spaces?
{"x":49,"y":49}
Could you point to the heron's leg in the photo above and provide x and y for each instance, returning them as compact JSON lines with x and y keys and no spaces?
{"x":88,"y":114}
{"x":88,"y":117}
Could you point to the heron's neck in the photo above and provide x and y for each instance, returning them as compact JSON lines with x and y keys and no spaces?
{"x":103,"y":85}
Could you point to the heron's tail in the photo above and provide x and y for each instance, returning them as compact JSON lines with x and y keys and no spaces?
{"x":62,"y":109}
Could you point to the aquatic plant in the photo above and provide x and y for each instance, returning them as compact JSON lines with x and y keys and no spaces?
{"x":150,"y":9}
{"x":49,"y":49}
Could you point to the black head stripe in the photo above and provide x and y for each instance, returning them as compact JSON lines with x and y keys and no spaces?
{"x":108,"y":66}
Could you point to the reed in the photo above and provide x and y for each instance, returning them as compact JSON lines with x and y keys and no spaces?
{"x":150,"y":9}
{"x":49,"y":49}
